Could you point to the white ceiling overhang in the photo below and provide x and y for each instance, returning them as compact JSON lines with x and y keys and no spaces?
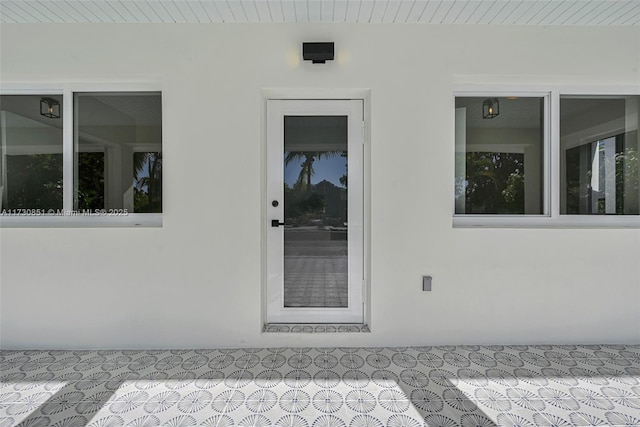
{"x":483,"y":12}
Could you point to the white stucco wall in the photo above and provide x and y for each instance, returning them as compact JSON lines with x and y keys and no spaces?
{"x":196,"y":282}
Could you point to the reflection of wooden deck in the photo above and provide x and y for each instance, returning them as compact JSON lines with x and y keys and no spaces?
{"x":315,"y":269}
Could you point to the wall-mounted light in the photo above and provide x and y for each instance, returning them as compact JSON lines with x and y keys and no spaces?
{"x":490,"y":108}
{"x":317,"y":53}
{"x":50,"y":107}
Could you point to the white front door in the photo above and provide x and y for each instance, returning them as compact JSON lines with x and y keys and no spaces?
{"x":314,"y":211}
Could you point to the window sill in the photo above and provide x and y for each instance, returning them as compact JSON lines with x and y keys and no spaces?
{"x":82,"y":221}
{"x":563,"y":221}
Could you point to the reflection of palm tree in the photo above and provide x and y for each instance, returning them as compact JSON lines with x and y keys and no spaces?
{"x":151,"y":163}
{"x":306,"y":168}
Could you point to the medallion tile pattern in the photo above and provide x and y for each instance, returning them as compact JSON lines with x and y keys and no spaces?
{"x":538,"y":385}
{"x":311,"y":328}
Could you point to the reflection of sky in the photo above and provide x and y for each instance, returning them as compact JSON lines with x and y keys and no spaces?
{"x":144,"y":173}
{"x":324,"y":169}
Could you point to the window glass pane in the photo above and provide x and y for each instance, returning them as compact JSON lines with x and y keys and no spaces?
{"x":90,"y":194}
{"x":499,"y":155}
{"x":31,"y":152}
{"x":599,"y":155}
{"x":118,"y":151}
{"x":147,"y":181}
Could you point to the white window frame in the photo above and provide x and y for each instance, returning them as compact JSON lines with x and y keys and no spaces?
{"x":551,"y":217}
{"x":69,"y":219}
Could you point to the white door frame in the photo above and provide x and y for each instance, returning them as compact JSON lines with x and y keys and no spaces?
{"x":274,"y":236}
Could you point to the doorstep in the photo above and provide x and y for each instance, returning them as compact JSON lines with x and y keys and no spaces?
{"x":315,"y":328}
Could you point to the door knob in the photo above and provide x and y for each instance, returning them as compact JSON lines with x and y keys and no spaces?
{"x":276,"y":223}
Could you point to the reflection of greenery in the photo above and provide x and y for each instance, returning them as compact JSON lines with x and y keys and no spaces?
{"x":495,"y":183}
{"x":514,"y":192}
{"x":343,"y":178}
{"x":147,"y":177}
{"x":91,"y":180}
{"x":626,"y":162}
{"x":627,"y":179}
{"x":302,"y":203}
{"x":34,"y":181}
{"x":572,"y":175}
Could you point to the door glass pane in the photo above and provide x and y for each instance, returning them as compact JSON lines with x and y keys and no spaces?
{"x":315,"y":211}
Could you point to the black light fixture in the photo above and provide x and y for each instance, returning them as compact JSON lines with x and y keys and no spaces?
{"x":317,"y":53}
{"x":50,"y":107}
{"x":490,"y":108}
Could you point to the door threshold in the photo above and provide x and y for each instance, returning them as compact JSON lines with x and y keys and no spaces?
{"x":315,"y":328}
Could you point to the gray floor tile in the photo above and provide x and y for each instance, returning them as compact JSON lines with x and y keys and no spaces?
{"x":434,"y":386}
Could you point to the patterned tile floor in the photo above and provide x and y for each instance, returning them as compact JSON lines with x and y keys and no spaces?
{"x":314,"y":387}
{"x":311,"y":328}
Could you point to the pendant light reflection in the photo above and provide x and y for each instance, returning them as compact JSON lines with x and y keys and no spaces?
{"x":490,"y":108}
{"x":50,"y":108}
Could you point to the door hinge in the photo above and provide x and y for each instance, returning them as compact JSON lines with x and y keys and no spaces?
{"x":362,"y":133}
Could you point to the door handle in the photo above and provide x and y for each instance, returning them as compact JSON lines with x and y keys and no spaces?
{"x":276,"y":223}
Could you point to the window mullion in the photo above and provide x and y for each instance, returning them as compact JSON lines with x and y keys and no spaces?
{"x":67,"y":150}
{"x":554,"y":154}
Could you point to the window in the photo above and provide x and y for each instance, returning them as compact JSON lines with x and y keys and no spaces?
{"x":118,"y":152}
{"x":547,"y":159}
{"x":599,"y":155}
{"x":499,"y":155}
{"x":100,"y":162}
{"x":31,"y":174}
